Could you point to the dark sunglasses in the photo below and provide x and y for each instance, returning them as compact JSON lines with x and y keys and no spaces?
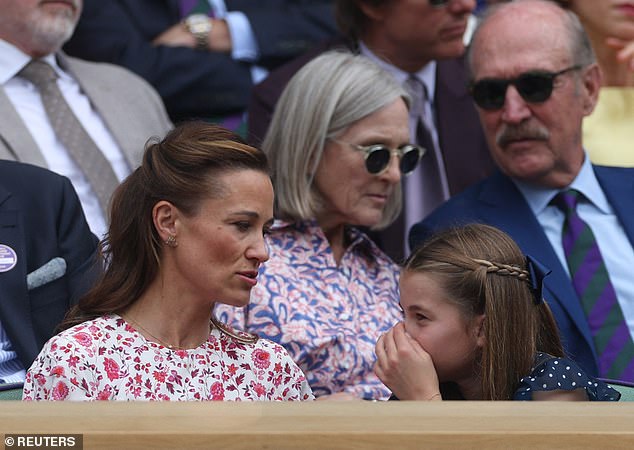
{"x":378,"y":156}
{"x":534,"y":87}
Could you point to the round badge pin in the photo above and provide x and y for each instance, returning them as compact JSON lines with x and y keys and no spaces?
{"x":8,"y":258}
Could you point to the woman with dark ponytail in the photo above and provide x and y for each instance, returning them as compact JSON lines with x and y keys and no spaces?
{"x":186,"y":232}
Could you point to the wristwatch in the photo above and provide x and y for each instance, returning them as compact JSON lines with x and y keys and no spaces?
{"x":199,"y":26}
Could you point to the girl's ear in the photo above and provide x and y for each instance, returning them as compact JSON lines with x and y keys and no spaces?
{"x":478,"y":327}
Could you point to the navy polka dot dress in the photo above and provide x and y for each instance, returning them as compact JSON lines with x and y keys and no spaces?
{"x":550,"y":374}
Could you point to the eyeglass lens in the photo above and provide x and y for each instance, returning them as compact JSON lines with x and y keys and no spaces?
{"x":378,"y":159}
{"x":533,"y":87}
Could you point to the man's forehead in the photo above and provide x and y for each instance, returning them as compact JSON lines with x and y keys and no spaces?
{"x":512,"y":49}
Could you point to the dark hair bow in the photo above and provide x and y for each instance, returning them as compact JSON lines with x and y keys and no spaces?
{"x":537,"y":272}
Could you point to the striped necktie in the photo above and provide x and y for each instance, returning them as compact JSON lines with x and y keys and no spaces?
{"x":590,"y":278}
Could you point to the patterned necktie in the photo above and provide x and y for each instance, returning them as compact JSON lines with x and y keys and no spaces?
{"x":71,"y":133}
{"x":591,"y":280}
{"x":430,"y":192}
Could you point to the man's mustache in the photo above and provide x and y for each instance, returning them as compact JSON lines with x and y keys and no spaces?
{"x":523,"y":131}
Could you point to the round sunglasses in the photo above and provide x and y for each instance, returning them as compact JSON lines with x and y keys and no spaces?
{"x":534,"y":87}
{"x":378,"y":156}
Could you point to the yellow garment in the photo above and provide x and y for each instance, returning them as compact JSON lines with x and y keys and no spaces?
{"x":608,"y":133}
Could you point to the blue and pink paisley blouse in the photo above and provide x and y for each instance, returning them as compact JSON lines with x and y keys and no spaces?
{"x":328,"y":317}
{"x":107,"y":359}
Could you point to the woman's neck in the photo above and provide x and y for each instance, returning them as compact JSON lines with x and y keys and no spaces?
{"x":168,"y":317}
{"x":335,"y":234}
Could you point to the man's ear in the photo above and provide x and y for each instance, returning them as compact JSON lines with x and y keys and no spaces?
{"x":164,"y":217}
{"x":372,"y":11}
{"x":591,"y":80}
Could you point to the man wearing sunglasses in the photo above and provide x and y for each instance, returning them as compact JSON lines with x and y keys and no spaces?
{"x":534,"y":79}
{"x":420,"y":39}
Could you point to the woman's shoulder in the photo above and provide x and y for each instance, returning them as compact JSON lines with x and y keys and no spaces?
{"x":255,"y":347}
{"x":89,"y":332}
{"x":552,"y":373}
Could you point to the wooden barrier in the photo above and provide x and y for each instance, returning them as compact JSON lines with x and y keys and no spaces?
{"x":329,"y":425}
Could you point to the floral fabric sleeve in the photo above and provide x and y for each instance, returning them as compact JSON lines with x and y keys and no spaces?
{"x":54,"y":375}
{"x":107,"y":359}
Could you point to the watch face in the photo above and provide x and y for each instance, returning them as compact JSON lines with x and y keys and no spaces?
{"x":198,"y":24}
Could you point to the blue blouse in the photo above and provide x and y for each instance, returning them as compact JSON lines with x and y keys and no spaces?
{"x":551,"y":373}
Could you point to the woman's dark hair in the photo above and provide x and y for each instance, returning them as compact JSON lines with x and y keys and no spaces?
{"x":181,"y":169}
{"x":483,"y":271}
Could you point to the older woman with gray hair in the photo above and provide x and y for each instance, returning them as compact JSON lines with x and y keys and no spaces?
{"x":338,"y":144}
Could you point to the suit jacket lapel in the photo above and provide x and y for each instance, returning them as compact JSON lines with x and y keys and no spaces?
{"x":103,"y":101}
{"x":18,"y":143}
{"x":619,"y":189}
{"x":15,"y":303}
{"x":465,"y":151}
{"x":504,"y":205}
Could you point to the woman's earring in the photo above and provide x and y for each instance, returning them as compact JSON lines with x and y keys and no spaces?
{"x":171,"y":241}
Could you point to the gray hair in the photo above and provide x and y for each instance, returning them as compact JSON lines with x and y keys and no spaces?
{"x":321,"y":101}
{"x":581,"y":51}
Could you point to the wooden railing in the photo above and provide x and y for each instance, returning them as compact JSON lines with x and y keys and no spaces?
{"x":329,"y":425}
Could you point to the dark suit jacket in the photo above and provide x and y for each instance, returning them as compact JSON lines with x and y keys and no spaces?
{"x":40,"y":219}
{"x":194,"y":83}
{"x":462,"y":142}
{"x":496,"y":201}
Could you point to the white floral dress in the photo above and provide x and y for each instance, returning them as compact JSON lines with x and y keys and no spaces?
{"x":108,"y":359}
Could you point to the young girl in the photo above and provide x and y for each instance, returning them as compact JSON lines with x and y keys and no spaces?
{"x":476,"y":327}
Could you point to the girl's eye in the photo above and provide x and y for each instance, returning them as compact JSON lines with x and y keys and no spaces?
{"x":420,"y":316}
{"x":242,"y":226}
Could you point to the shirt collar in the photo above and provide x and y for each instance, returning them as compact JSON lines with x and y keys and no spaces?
{"x":585,"y":182}
{"x":427,"y":74}
{"x":357,"y":238}
{"x":12,"y":60}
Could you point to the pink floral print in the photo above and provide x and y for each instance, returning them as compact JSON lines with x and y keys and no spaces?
{"x":327,"y":316}
{"x":107,"y":359}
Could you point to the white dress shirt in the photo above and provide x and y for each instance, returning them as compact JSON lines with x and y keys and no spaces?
{"x":26,"y":99}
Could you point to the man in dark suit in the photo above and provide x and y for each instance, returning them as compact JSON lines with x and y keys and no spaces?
{"x":47,"y":260}
{"x":197,"y":79}
{"x":534,"y":80}
{"x":409,"y":39}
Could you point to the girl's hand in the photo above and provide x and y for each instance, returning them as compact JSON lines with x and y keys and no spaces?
{"x":404,"y":367}
{"x":625,"y":51}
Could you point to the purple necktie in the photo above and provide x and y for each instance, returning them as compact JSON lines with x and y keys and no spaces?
{"x":590,"y":278}
{"x":189,"y":7}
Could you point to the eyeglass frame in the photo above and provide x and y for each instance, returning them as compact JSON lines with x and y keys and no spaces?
{"x":399,"y":151}
{"x":506,"y":82}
